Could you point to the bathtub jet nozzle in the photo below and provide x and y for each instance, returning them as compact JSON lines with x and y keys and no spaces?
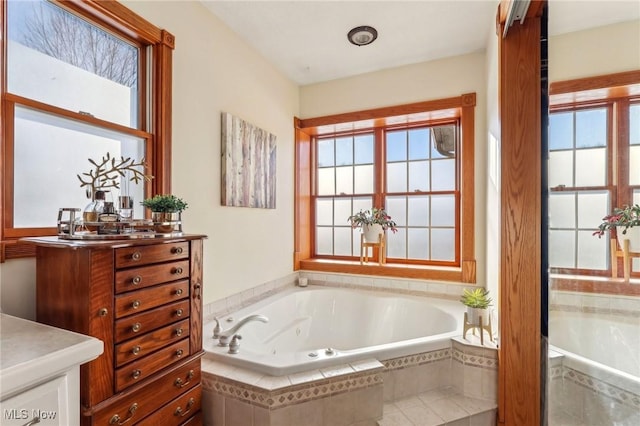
{"x":224,"y":336}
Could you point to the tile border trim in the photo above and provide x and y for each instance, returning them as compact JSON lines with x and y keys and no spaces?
{"x":601,"y":387}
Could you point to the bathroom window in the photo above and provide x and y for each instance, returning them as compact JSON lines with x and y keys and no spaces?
{"x":81,"y":80}
{"x":589,"y":175}
{"x":415,"y":163}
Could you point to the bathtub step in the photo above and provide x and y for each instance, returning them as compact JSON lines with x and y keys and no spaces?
{"x":442,"y":406}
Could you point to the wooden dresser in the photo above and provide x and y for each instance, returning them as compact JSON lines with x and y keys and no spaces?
{"x":142,"y":298}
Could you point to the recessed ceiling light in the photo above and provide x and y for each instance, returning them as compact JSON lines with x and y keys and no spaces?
{"x":363,"y":35}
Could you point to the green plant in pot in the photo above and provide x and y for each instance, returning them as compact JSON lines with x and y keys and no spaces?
{"x":165,"y":211}
{"x":477,"y":301}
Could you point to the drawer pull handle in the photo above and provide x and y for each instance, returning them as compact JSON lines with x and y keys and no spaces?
{"x":136,"y":255}
{"x":179,"y":312}
{"x":136,"y":327}
{"x":178,"y":332}
{"x":179,"y":292}
{"x":177,"y":271}
{"x":177,"y":250}
{"x":180,"y":384}
{"x":179,"y":353}
{"x":35,"y":420}
{"x":135,"y":304}
{"x":103,"y":312}
{"x":190,"y":405}
{"x":115,"y":420}
{"x":136,"y":374}
{"x":136,"y":280}
{"x":135,"y":350}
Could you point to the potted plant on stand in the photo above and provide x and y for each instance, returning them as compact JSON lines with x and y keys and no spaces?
{"x":477,"y":301}
{"x":165,"y":212}
{"x":626,"y":222}
{"x":372,"y":223}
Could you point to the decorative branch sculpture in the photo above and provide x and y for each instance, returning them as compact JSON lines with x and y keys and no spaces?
{"x":107,"y":174}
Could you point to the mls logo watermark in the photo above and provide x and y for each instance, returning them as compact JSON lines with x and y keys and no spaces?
{"x":25,"y":414}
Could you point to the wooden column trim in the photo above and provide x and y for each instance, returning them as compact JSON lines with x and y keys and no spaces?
{"x":162,"y":118}
{"x":520,"y":236}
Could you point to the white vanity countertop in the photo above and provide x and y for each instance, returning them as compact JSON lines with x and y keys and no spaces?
{"x":31,"y":352}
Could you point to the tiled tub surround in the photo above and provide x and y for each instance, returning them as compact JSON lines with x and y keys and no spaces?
{"x":603,"y":329}
{"x":455,"y":384}
{"x":317,"y":326}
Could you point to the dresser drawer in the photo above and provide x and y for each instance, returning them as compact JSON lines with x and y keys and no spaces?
{"x":152,"y":297}
{"x":150,"y":342}
{"x":139,"y":370}
{"x":146,"y":276}
{"x":127,"y":257}
{"x":146,"y":399}
{"x":139,"y":324}
{"x":178,"y":411}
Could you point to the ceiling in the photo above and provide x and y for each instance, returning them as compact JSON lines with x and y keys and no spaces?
{"x":307,"y":39}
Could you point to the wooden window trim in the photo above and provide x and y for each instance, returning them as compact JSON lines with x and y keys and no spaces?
{"x":462,"y":106}
{"x":116,"y":17}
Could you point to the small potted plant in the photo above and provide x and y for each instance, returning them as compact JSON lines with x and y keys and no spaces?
{"x":372,"y":222}
{"x":165,"y":211}
{"x":477,"y":301}
{"x":626,"y":222}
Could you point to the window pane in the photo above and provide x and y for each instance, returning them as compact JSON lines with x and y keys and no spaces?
{"x":342,"y":237}
{"x":363,"y":179}
{"x":50,"y":152}
{"x":397,"y":146}
{"x":326,"y":181}
{"x":419,"y":176}
{"x":397,"y":209}
{"x":561,"y":130}
{"x":561,"y":168}
{"x":418,"y":211}
{"x":419,"y":144}
{"x":325,"y":153}
{"x":59,"y":59}
{"x":443,"y":210}
{"x":324,"y":240}
{"x":592,"y":207}
{"x":344,"y":151}
{"x":634,"y":124}
{"x":344,"y":180}
{"x":592,"y":251}
{"x":562,"y":210}
{"x":443,"y":142}
{"x":634,"y":165}
{"x":443,"y":175}
{"x":562,"y":249}
{"x":361,"y":203}
{"x":591,"y":167}
{"x":443,"y":244}
{"x":324,"y":212}
{"x":342,"y":211}
{"x":397,"y":177}
{"x":591,"y":128}
{"x":397,"y":244}
{"x":418,"y":243}
{"x":363,"y":149}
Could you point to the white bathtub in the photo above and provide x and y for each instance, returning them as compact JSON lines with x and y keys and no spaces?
{"x":304,"y":323}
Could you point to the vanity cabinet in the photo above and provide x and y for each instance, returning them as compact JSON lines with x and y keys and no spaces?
{"x":143,"y":299}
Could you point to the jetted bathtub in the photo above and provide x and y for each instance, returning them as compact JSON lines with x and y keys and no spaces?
{"x":316,"y":327}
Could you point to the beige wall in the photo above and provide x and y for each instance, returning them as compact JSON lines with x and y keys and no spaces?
{"x":414,"y":83}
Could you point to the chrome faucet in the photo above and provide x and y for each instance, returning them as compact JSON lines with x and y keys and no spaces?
{"x":223,"y":336}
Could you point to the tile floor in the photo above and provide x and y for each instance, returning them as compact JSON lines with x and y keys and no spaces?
{"x":442,"y":406}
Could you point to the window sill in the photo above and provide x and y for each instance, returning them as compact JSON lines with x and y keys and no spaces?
{"x":589,"y":284}
{"x":396,"y":270}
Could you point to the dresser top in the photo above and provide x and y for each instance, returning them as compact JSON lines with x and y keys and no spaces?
{"x":110,"y":243}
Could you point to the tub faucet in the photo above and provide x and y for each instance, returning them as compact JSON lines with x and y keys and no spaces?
{"x":223,"y":336}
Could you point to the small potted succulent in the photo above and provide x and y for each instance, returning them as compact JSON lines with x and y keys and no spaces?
{"x":372,"y":222}
{"x":477,"y":301}
{"x":626,"y":222}
{"x":165,"y":211}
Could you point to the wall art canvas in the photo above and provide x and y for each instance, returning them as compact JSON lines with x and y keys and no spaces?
{"x":248,"y":164}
